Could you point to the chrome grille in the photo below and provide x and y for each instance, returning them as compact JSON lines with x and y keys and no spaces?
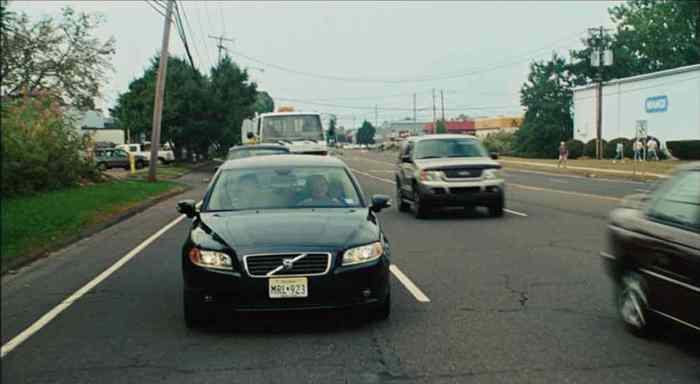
{"x":302,"y":264}
{"x":462,"y":173}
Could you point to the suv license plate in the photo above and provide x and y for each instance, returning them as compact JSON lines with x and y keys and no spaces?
{"x":282,"y":288}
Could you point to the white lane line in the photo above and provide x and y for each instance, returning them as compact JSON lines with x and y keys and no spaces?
{"x":641,"y":190}
{"x":67,"y":302}
{"x":415,"y":291}
{"x":515,"y":212}
{"x":372,"y":176}
{"x":392,"y":182}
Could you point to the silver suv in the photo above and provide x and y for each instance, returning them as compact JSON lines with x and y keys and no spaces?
{"x":448,"y":170}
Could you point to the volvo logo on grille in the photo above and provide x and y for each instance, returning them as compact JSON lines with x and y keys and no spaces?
{"x":287,"y":264}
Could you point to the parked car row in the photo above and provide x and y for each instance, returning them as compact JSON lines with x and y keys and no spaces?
{"x":117,"y":158}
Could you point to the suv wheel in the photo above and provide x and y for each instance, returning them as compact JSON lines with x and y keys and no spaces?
{"x":139,"y":164}
{"x":496,"y":209}
{"x":102,"y":166}
{"x":419,"y":208}
{"x":402,"y":205}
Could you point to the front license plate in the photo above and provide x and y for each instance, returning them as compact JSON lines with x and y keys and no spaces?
{"x":282,"y":288}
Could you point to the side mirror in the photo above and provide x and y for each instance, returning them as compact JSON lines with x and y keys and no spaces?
{"x":406,"y":159}
{"x":636,"y":201}
{"x":187,"y":208}
{"x":216,"y":168}
{"x":380,"y":202}
{"x":494,"y":155}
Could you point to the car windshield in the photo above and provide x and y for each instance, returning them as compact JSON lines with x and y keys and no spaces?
{"x":437,"y":148}
{"x":282,"y":188}
{"x":249,"y":152}
{"x":292,"y":127}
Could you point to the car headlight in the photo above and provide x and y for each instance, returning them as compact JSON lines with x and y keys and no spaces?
{"x":363,"y":254}
{"x":490,"y":174}
{"x":430,"y":176}
{"x":210,"y":259}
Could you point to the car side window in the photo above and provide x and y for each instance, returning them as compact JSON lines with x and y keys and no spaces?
{"x":120,"y":153}
{"x":678,"y":202}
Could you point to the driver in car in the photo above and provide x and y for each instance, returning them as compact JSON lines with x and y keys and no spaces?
{"x":319,"y":193}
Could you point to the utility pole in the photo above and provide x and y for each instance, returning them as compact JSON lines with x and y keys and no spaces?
{"x":434,"y":127}
{"x":600,"y":57}
{"x":442,"y":103}
{"x":376,"y":116}
{"x":414,"y":107}
{"x":160,"y":89}
{"x":220,"y":45}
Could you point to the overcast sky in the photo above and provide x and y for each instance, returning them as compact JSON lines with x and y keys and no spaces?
{"x":345,"y":58}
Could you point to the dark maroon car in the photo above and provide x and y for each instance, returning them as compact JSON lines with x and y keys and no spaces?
{"x":654,"y":254}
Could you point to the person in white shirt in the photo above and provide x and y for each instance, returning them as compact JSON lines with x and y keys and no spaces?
{"x":638,"y":148}
{"x":651,"y":149}
{"x":619,"y":152}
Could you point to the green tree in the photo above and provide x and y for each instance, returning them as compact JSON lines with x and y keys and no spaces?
{"x":233,"y":99}
{"x":651,"y":35}
{"x":440,"y":126}
{"x":62,"y":55}
{"x":365,"y":135}
{"x":264,"y":103}
{"x":548,"y":98}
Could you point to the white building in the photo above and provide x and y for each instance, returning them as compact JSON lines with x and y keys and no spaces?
{"x":668,"y":102}
{"x":101,"y":128}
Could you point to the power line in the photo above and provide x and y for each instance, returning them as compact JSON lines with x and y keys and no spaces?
{"x":161,"y":10}
{"x":187,"y":22}
{"x":203,"y":36}
{"x":453,"y":75}
{"x":181,"y":32}
{"x":223,"y":22}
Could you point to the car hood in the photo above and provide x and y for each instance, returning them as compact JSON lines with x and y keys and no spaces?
{"x":458,"y":162}
{"x":331,"y":229}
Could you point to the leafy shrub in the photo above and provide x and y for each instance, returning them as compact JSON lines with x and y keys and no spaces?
{"x":611,"y":148}
{"x":684,"y":149}
{"x":575,"y":148}
{"x":589,"y":148}
{"x":40,"y":148}
{"x":500,"y":142}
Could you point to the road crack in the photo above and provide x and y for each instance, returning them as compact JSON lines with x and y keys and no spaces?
{"x":523,"y":295}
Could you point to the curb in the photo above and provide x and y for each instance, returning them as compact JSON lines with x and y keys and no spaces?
{"x":91,"y":230}
{"x":591,"y":173}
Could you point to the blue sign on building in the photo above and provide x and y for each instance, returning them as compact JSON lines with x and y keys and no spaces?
{"x":656,"y":104}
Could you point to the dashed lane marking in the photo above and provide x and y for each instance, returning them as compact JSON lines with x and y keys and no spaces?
{"x":408,"y":284}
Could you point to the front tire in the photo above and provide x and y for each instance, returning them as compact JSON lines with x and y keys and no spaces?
{"x":419,"y":208}
{"x":496,"y":209}
{"x":195,"y":315}
{"x":139,"y":164}
{"x":383,"y":311}
{"x":633,"y":306}
{"x":402,"y":205}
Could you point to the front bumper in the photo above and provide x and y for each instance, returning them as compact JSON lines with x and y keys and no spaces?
{"x":462,"y":193}
{"x":343,"y":287}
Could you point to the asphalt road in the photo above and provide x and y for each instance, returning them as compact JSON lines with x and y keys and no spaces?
{"x":517,"y":299}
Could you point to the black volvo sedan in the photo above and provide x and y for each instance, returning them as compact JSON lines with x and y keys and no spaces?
{"x":285,"y":232}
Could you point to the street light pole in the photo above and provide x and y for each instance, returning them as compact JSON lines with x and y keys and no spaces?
{"x":160,"y":89}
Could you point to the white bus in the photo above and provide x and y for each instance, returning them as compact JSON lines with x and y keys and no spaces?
{"x":301,"y":132}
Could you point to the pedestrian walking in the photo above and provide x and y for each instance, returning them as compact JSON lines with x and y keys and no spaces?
{"x":251,"y":139}
{"x":619,"y":152}
{"x":638,"y":148}
{"x":652,"y":147}
{"x":563,"y":155}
